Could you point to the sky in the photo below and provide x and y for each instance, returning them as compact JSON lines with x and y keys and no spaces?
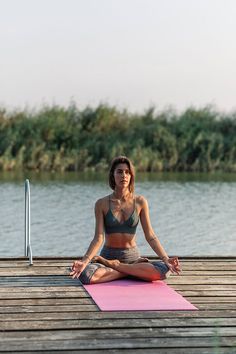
{"x":132,"y":54}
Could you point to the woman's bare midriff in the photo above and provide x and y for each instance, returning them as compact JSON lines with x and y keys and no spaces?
{"x":120,"y":241}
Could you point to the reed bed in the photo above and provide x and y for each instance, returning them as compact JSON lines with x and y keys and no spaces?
{"x":68,"y":139}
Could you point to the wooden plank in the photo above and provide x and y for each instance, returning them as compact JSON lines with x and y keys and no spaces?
{"x":210,"y":293}
{"x":57,"y":271}
{"x":62,"y":314}
{"x":209,"y":287}
{"x":47,"y":308}
{"x":73,"y":288}
{"x":33,"y":271}
{"x":175,"y":280}
{"x":208,"y":272}
{"x":202,"y":280}
{"x":216,"y":306}
{"x":27,"y":278}
{"x":221,"y":266}
{"x":82,"y":293}
{"x":43,"y":295}
{"x":49,"y":301}
{"x":36,"y":263}
{"x":120,"y":343}
{"x":79,"y":288}
{"x":52,"y":300}
{"x":212,"y":299}
{"x":182,"y":332}
{"x":38,"y":281}
{"x":119,"y":323}
{"x":186,"y":350}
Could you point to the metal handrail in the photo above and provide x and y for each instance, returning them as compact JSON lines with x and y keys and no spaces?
{"x":28,"y":249}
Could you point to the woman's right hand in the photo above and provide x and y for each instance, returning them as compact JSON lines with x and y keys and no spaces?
{"x":77,"y":268}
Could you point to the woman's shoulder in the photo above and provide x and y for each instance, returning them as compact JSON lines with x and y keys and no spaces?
{"x":140,"y":199}
{"x":101,"y":202}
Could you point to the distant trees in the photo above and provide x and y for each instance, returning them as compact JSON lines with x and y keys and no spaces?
{"x":59,"y":139}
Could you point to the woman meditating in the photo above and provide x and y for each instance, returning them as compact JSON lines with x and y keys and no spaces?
{"x":118,"y":214}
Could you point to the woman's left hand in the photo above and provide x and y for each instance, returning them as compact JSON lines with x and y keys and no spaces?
{"x":174,"y":265}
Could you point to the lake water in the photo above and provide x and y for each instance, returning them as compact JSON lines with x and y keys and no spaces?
{"x":192,"y":214}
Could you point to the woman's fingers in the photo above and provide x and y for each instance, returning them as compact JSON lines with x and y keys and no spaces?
{"x":75,"y":274}
{"x":76,"y":269}
{"x":175,"y":265}
{"x":72,"y":272}
{"x":175,"y":261}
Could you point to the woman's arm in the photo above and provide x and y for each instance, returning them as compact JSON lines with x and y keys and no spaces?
{"x":78,"y":266}
{"x":152,"y":239}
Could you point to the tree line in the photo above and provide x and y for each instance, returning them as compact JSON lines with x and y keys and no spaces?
{"x":68,"y":139}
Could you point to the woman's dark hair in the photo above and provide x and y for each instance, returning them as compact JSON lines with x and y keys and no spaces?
{"x":116,"y":161}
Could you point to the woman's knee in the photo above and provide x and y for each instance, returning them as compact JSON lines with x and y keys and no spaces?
{"x":156,"y":276}
{"x":162,"y":269}
{"x":152,"y":274}
{"x":151,"y":277}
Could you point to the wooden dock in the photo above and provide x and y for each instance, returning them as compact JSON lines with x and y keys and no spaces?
{"x":42,"y":310}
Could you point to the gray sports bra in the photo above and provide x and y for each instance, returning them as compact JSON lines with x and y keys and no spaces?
{"x":113,"y":225}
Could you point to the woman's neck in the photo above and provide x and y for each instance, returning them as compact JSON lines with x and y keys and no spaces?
{"x":121,"y":194}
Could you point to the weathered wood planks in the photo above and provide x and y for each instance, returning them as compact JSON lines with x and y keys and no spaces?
{"x":43,"y":310}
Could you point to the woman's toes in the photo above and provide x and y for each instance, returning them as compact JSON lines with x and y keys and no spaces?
{"x":114,"y":263}
{"x":142,"y":260}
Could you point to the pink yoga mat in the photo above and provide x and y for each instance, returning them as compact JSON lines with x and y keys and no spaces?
{"x":135,"y":295}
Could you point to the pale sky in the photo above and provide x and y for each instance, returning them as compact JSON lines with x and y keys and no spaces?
{"x":129,"y":53}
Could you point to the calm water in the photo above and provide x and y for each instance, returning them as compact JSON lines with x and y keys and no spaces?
{"x":192,"y":214}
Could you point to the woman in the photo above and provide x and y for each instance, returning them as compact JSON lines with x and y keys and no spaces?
{"x":118,"y":214}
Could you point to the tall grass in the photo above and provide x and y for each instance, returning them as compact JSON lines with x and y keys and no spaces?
{"x":68,"y":139}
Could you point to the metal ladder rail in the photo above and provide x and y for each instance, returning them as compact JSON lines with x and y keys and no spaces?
{"x":28,"y":249}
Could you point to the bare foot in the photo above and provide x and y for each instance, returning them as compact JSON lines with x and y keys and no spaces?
{"x":142,"y":260}
{"x":107,"y":262}
{"x":96,"y":259}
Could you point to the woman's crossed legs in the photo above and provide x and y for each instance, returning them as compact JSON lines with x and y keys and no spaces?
{"x":114,"y":269}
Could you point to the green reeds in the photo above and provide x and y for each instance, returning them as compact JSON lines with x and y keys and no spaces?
{"x":59,"y":139}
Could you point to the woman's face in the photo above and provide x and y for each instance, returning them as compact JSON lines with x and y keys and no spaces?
{"x":122,"y":175}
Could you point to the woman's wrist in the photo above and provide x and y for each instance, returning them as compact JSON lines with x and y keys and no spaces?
{"x":165,"y":259}
{"x":86,"y":259}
